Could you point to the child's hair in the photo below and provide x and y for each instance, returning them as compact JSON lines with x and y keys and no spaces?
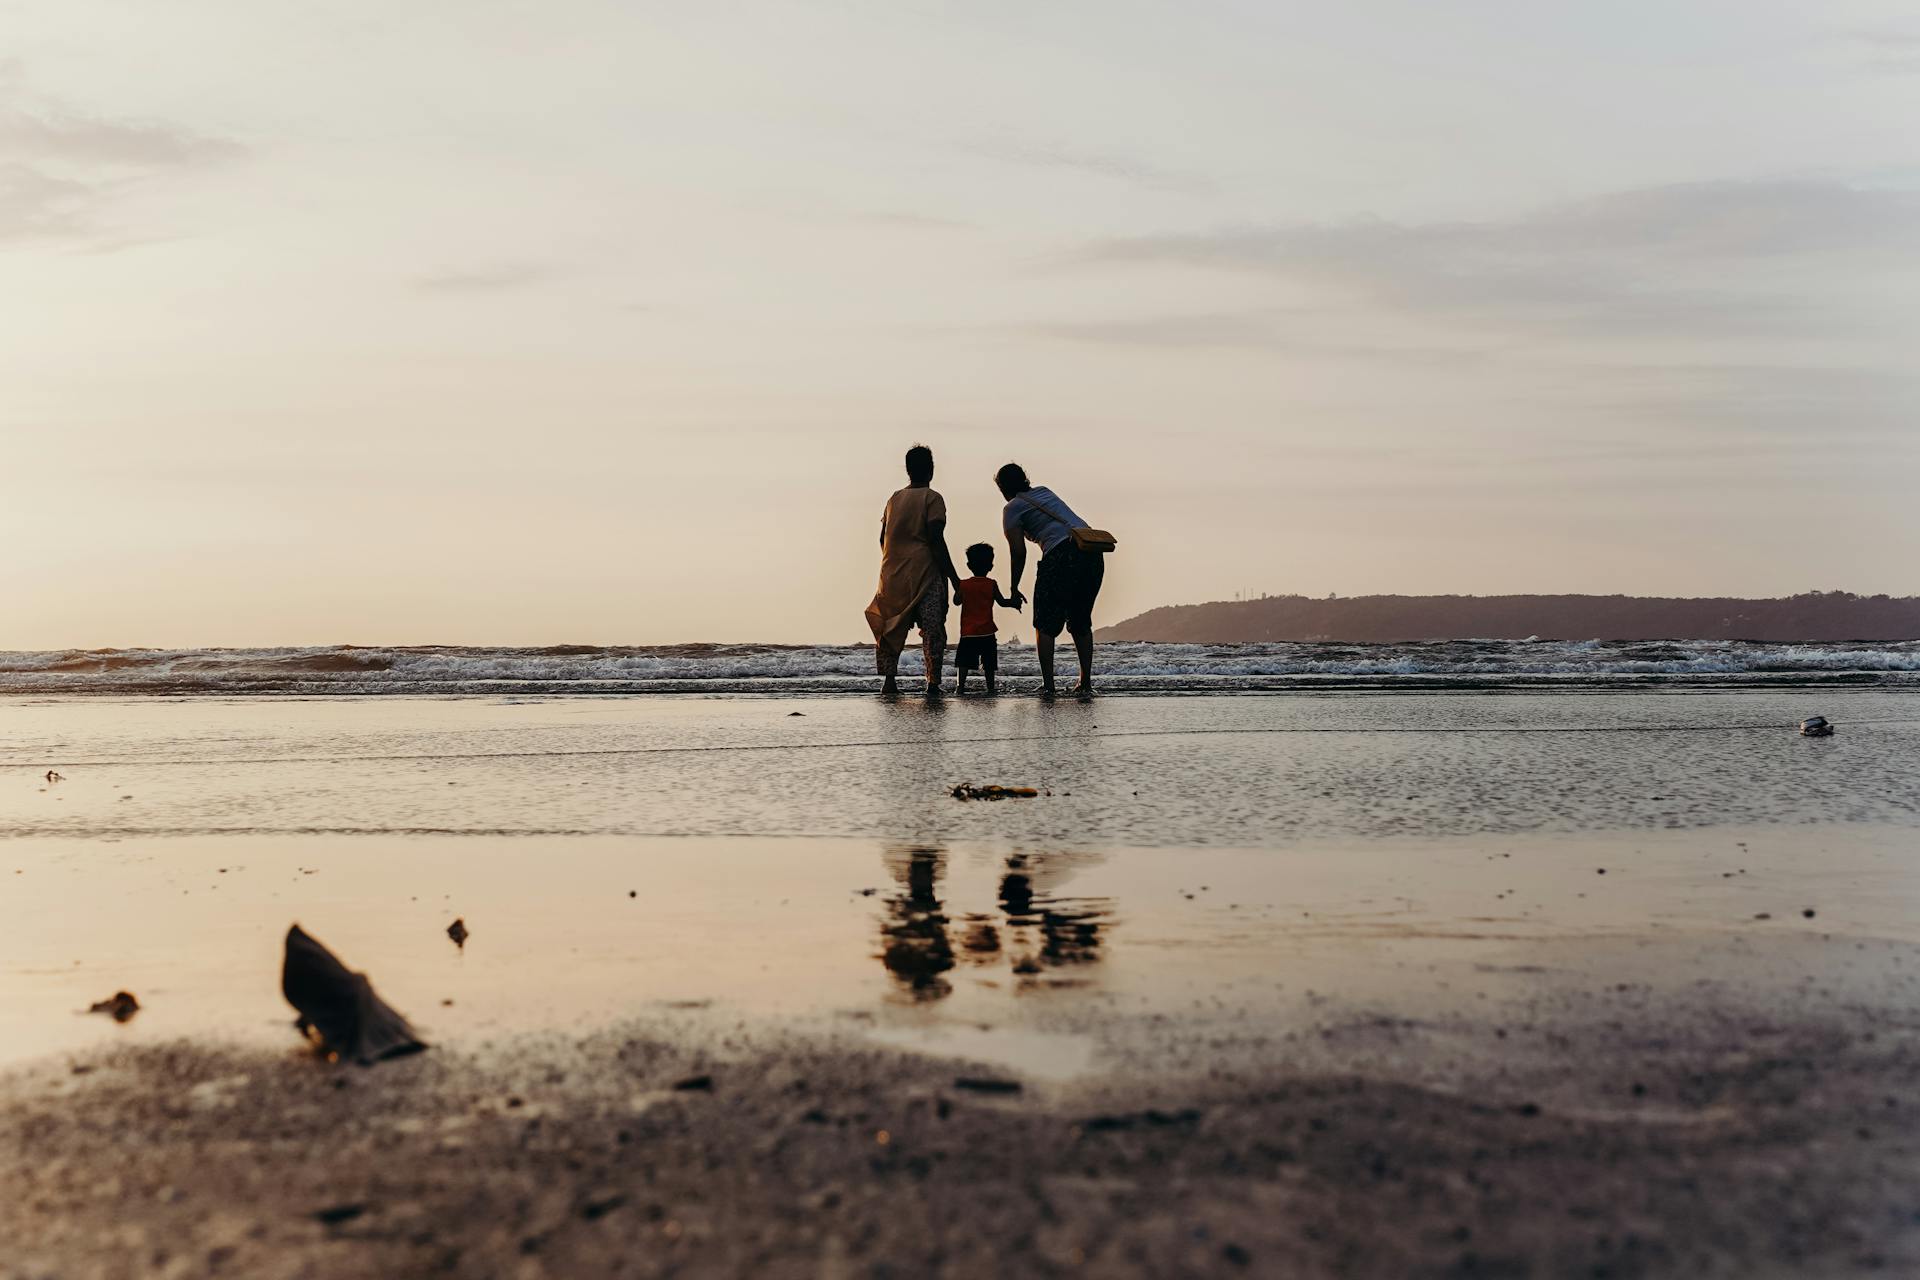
{"x":980,"y":557}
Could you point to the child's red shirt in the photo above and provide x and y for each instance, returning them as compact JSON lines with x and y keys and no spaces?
{"x":976,"y":606}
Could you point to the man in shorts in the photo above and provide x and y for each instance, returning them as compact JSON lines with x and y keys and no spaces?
{"x":1068,"y":580}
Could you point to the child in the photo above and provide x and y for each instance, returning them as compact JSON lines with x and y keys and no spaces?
{"x":976,"y":597}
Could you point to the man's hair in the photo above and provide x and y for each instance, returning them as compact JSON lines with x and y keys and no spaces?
{"x":919,"y":463}
{"x":1012,"y":479}
{"x":980,"y":555}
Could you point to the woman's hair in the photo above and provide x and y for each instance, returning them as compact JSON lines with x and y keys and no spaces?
{"x":1012,"y":479}
{"x":919,"y":463}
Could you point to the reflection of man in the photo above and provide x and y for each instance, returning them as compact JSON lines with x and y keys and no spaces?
{"x":913,"y":938}
{"x":1069,"y":929}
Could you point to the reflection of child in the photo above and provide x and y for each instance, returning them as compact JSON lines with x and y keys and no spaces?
{"x":976,"y":597}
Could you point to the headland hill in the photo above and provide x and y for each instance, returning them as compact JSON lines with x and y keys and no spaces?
{"x":1815,"y":616}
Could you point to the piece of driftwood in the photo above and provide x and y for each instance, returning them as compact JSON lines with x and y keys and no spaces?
{"x":338,"y":1010}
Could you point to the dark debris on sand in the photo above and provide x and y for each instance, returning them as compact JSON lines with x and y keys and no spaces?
{"x":120,"y":1006}
{"x":338,"y":1009}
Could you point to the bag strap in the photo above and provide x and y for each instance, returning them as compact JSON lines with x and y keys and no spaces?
{"x":1045,"y":512}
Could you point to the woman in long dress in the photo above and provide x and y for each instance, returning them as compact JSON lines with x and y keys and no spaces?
{"x":916,"y":575}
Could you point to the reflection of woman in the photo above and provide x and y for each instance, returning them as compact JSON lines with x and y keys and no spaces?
{"x":916,"y":575}
{"x":914,"y":942}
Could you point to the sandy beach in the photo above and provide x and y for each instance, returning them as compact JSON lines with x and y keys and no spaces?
{"x":1576,"y":990}
{"x":874,"y":641}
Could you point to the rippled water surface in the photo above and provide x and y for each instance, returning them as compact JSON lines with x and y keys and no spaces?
{"x":806,"y":856}
{"x":1225,"y":770}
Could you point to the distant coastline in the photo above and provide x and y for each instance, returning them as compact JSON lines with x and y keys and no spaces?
{"x":1818,"y":616}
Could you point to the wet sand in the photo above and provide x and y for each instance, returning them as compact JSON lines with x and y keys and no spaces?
{"x":1348,"y":1047}
{"x":1638,"y":1129}
{"x":1399,"y":1069}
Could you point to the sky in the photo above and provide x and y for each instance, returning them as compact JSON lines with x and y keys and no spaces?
{"x":581,"y":322}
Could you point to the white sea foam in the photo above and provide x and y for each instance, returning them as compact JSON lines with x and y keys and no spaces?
{"x":828,"y":668}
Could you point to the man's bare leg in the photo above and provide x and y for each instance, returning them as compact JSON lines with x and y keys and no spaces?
{"x":1044,"y":643}
{"x":1083,"y":646}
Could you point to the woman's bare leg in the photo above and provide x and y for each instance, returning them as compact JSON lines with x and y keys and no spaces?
{"x":1083,"y":645}
{"x":886,"y":653}
{"x":1044,"y":643}
{"x":935,"y":658}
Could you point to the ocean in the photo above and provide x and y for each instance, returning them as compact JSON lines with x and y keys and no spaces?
{"x":1131,"y":667}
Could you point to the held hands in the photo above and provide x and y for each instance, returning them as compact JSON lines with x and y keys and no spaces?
{"x":1018,"y":598}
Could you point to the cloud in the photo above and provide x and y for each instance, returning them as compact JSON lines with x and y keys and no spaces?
{"x":34,"y":204}
{"x":1217,"y":329}
{"x":912,"y":221}
{"x":1067,"y":158}
{"x":70,"y":137}
{"x":1719,"y":257}
{"x":66,"y":168}
{"x":1887,"y":52}
{"x":496,"y":279}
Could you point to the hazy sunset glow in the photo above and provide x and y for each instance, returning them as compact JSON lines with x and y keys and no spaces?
{"x":530,"y":323}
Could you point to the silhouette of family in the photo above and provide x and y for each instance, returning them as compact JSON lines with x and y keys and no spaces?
{"x":917,"y":576}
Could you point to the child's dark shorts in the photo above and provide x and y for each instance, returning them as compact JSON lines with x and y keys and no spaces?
{"x":978,"y":651}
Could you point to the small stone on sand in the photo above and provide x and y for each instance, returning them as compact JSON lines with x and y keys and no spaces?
{"x":120,"y":1006}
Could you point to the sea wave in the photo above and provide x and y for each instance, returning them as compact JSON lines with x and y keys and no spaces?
{"x":1124,"y":667}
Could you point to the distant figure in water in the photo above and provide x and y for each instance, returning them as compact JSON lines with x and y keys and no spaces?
{"x":976,"y":597}
{"x":1068,"y":580}
{"x":916,"y":574}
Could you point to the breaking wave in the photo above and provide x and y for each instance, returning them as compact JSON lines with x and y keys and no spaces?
{"x":1128,"y":667}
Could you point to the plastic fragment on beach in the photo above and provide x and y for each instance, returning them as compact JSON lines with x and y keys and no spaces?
{"x":1816,"y":727}
{"x":694,"y":1084}
{"x":119,"y":1006}
{"x":55,"y":777}
{"x":992,"y":791}
{"x":458,"y":932}
{"x":338,"y":1009}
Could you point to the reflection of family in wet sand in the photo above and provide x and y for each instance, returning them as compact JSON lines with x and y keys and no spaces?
{"x":917,"y":576}
{"x":1035,"y":930}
